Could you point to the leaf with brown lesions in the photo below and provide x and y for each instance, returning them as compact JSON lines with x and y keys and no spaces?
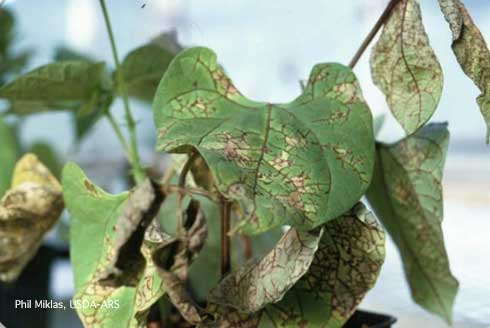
{"x":471,"y":51}
{"x":406,"y":194}
{"x":405,"y":67}
{"x":94,"y":218}
{"x":27,"y":211}
{"x":301,"y":163}
{"x":267,"y":280}
{"x":345,"y":267}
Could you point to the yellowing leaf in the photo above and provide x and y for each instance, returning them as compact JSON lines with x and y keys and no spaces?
{"x":405,"y":67}
{"x":27,"y":211}
{"x":471,"y":51}
{"x":406,"y":194}
{"x":285,"y":163}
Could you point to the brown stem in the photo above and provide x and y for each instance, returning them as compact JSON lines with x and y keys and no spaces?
{"x":247,"y":247}
{"x":381,"y":21}
{"x":225,"y":210}
{"x":182,"y":179}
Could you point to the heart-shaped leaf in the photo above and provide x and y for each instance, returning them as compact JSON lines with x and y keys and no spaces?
{"x":405,"y":67}
{"x":471,"y":51}
{"x":27,"y":212}
{"x":406,"y":194}
{"x":291,"y":163}
{"x":93,"y":226}
{"x":346,"y":265}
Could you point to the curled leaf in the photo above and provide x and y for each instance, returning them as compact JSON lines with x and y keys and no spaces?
{"x":405,"y":67}
{"x":277,"y":160}
{"x":471,"y":51}
{"x":93,"y":226}
{"x":267,"y":280}
{"x":141,"y":208}
{"x":406,"y":194}
{"x":27,"y":211}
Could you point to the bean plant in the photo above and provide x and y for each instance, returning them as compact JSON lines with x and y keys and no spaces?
{"x":259,"y":219}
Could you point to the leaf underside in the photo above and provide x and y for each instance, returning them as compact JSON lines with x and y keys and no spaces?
{"x":405,"y":68}
{"x":301,"y":163}
{"x":406,"y":194}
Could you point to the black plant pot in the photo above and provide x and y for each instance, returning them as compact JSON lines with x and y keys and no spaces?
{"x":364,"y":319}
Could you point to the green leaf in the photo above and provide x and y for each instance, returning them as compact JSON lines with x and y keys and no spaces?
{"x":345,"y":267}
{"x":48,"y":156}
{"x":143,"y":69}
{"x":278,"y":161}
{"x":405,"y":67}
{"x":267,"y":280}
{"x":8,"y":155}
{"x":471,"y":51}
{"x":94,"y":222}
{"x":27,"y":212}
{"x":406,"y":194}
{"x":59,"y":81}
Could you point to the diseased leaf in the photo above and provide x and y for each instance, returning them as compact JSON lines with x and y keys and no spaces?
{"x":58,"y":81}
{"x":405,"y":67}
{"x":471,"y":51}
{"x":27,"y":211}
{"x":141,"y":207}
{"x":266,"y":281}
{"x":406,"y":194}
{"x":8,"y":156}
{"x":276,"y":160}
{"x":174,"y":269}
{"x":345,"y":266}
{"x":94,"y":222}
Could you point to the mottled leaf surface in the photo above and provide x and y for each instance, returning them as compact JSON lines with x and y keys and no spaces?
{"x":346,"y":265}
{"x":301,"y":163}
{"x":405,"y":68}
{"x":471,"y":51}
{"x":406,"y":194}
{"x":267,"y":280}
{"x":8,"y":155}
{"x":94,"y":216}
{"x":27,"y":211}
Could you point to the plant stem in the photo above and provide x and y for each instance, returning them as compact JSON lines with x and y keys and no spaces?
{"x":225,"y":210}
{"x":381,"y":21}
{"x":247,"y":247}
{"x":117,"y":131}
{"x":134,"y":159}
{"x":182,"y":180}
{"x":167,"y":189}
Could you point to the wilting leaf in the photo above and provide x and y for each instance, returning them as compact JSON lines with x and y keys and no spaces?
{"x":8,"y":156}
{"x":276,"y":160}
{"x":405,"y":67}
{"x":471,"y":51}
{"x":48,"y":156}
{"x":141,"y":207}
{"x":266,"y":281}
{"x":94,"y":218}
{"x":59,"y":81}
{"x":27,"y":211}
{"x":345,"y":266}
{"x":406,"y":194}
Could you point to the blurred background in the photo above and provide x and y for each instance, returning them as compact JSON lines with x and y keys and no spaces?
{"x":267,"y":47}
